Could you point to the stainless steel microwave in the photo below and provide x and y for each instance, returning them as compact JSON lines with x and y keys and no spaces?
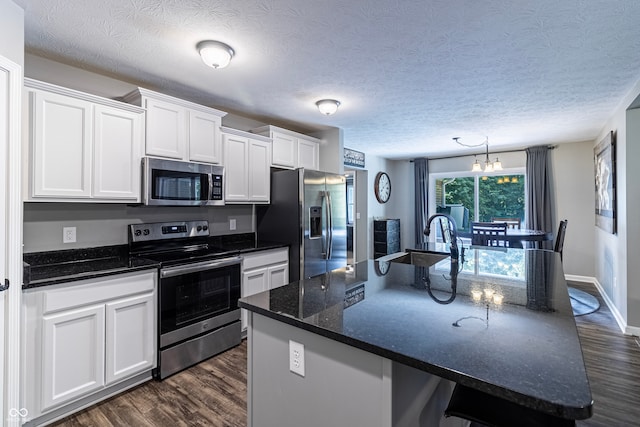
{"x":176,"y":183}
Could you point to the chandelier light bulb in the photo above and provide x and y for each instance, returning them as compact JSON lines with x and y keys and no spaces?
{"x":497,"y":165}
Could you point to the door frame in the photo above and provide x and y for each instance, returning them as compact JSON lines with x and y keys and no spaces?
{"x":11,"y":145}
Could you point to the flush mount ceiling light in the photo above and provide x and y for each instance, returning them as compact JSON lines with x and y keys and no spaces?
{"x":328,"y":106}
{"x":215,"y":54}
{"x":488,"y":165}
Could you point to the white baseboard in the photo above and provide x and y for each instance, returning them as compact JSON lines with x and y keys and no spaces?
{"x":622,"y":323}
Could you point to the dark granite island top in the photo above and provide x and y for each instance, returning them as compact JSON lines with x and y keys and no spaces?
{"x":508,"y":329}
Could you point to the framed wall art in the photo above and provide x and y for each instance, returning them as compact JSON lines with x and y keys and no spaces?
{"x":605,"y":183}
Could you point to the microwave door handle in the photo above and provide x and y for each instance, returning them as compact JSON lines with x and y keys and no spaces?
{"x":329,"y":226}
{"x":210,"y":189}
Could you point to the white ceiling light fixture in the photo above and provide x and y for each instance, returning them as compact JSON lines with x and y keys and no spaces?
{"x":328,"y":106}
{"x":215,"y":54}
{"x":489,"y":166}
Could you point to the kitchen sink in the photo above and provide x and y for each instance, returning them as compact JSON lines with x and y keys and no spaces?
{"x":421,"y":259}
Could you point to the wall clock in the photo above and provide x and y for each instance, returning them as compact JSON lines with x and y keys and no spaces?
{"x":382,"y":187}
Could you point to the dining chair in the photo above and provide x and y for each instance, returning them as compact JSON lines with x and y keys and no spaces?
{"x":489,"y":233}
{"x":559,"y":243}
{"x":512,"y":222}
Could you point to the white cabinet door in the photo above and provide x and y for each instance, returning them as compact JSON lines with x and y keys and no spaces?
{"x":284,"y":150}
{"x":116,"y":156}
{"x":130,"y":332}
{"x":61,"y":151}
{"x":278,"y":275}
{"x":259,"y":171}
{"x":73,"y":354}
{"x":308,"y":154}
{"x":204,"y":137}
{"x":235,"y":149}
{"x":166,"y":133}
{"x":253,"y":282}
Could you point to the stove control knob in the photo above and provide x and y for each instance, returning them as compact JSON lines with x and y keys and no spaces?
{"x":146,"y":232}
{"x":199,"y":228}
{"x":205,"y":227}
{"x":137,"y":232}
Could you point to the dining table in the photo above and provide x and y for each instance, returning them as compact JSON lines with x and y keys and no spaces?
{"x":517,"y":236}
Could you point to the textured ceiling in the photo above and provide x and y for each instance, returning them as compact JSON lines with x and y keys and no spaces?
{"x":411,"y":74}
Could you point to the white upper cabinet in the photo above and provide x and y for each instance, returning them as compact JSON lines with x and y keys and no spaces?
{"x":290,"y":149}
{"x":247,"y":173}
{"x":205,"y":142}
{"x":179,"y":129}
{"x":80,"y":147}
{"x":166,"y":124}
{"x":116,"y":154}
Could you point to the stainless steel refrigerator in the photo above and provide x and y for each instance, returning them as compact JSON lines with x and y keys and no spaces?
{"x":308,"y":210}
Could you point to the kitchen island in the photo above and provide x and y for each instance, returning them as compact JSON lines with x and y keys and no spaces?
{"x":385,"y":342}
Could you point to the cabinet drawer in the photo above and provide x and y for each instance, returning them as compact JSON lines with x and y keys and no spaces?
{"x":96,"y":290}
{"x":263,"y":258}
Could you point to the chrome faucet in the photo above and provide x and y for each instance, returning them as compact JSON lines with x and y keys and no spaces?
{"x":453,"y":230}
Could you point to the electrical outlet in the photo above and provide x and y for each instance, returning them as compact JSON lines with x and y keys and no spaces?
{"x":68,"y":234}
{"x":232,"y":224}
{"x":296,"y":358}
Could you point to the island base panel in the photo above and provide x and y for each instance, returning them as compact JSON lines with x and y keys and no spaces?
{"x":342,"y":385}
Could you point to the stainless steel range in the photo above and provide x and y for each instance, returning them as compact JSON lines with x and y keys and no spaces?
{"x":199,"y":288}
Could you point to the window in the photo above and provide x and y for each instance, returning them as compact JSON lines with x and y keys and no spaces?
{"x":470,"y":197}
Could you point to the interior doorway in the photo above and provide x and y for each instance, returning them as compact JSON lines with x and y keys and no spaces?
{"x":356,"y":188}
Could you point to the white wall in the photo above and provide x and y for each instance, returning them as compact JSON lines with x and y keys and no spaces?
{"x":12,"y":31}
{"x":617,"y":271}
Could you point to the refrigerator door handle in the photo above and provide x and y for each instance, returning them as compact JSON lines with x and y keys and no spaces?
{"x":329,"y":226}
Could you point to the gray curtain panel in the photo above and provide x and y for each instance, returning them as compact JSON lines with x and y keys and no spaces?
{"x":421,"y":174}
{"x":540,"y":204}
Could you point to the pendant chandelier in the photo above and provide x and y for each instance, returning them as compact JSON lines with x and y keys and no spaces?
{"x":489,"y":166}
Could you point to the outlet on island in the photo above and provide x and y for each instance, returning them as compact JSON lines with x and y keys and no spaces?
{"x":232,"y":224}
{"x":68,"y":234}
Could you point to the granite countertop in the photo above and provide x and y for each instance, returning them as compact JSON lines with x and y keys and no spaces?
{"x":54,"y":267}
{"x":523,"y":348}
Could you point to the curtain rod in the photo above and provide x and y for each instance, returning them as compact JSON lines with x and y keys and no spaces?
{"x":550,"y":147}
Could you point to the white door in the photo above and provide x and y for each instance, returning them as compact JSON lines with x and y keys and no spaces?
{"x":73,"y":355}
{"x":204,"y":137}
{"x":235,"y":149}
{"x":166,"y":134}
{"x":61,"y":145}
{"x":116,"y":154}
{"x":11,"y":83}
{"x":130,"y":337}
{"x":259,"y":171}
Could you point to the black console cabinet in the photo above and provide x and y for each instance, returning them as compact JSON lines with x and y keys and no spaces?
{"x":386,"y":237}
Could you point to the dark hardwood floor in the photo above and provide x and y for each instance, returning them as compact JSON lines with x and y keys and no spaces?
{"x":214,"y":392}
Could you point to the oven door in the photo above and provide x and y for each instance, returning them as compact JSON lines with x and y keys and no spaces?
{"x":198,"y":298}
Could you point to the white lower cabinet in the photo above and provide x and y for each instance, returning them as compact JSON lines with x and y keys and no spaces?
{"x":129,"y":346}
{"x":262,"y":271}
{"x":85,"y":339}
{"x":73,"y":350}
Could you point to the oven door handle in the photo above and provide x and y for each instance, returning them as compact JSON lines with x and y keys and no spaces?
{"x":200,"y":266}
